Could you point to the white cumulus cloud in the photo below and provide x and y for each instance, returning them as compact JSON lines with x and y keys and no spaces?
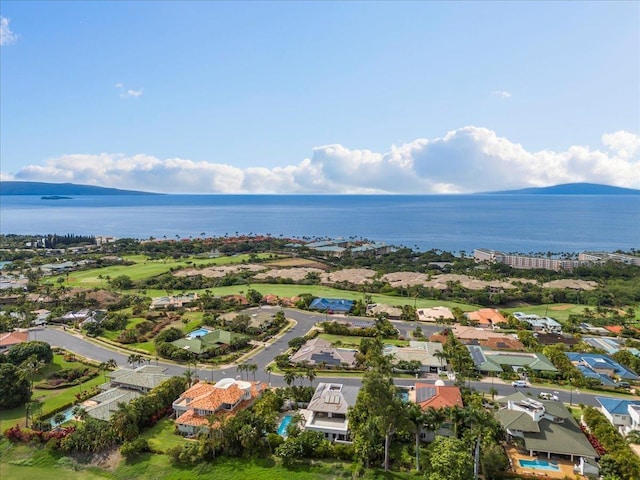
{"x":501,"y":93}
{"x":469,"y":159}
{"x":7,"y":37}
{"x":128,"y":92}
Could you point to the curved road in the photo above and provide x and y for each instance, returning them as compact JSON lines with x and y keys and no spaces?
{"x":304,"y":321}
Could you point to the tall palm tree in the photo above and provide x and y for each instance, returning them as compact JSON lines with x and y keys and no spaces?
{"x":124,"y":422}
{"x":252,"y":367}
{"x":188,"y":374}
{"x":289,"y":377}
{"x":311,"y":375}
{"x":268,"y":369}
{"x":417,"y":417}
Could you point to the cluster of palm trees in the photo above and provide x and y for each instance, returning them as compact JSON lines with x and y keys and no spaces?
{"x":135,"y":359}
{"x":248,"y":368}
{"x":290,"y":376}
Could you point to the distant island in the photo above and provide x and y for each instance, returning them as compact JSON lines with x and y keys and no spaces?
{"x":571,"y":189}
{"x":61,"y":190}
{"x":55,"y":197}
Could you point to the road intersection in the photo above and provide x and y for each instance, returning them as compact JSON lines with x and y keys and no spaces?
{"x":302,"y":322}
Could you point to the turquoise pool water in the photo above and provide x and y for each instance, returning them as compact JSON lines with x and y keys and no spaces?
{"x":282,"y":428}
{"x":540,"y":465}
{"x":68,"y":415}
{"x":198,"y":333}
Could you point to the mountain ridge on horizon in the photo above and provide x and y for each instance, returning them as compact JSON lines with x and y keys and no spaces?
{"x":47,"y":188}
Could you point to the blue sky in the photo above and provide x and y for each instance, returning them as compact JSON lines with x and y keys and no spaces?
{"x":337,"y":97}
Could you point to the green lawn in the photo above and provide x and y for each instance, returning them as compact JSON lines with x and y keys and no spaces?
{"x":25,"y":462}
{"x":352,"y":341}
{"x":161,"y":436}
{"x":560,"y":311}
{"x":143,"y":268}
{"x":50,"y":399}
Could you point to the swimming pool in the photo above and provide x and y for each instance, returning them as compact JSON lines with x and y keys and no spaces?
{"x":198,"y":333}
{"x":540,"y":465}
{"x":68,"y":415}
{"x":282,"y":428}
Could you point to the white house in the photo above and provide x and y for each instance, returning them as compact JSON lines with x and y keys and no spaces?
{"x":327,"y":410}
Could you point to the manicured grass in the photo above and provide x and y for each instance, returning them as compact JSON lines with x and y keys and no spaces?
{"x":560,"y":311}
{"x":148,"y":347}
{"x":162,"y":437}
{"x":352,"y":341}
{"x":50,"y":399}
{"x":143,"y":268}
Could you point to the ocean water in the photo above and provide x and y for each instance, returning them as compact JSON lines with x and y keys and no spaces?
{"x":512,"y":223}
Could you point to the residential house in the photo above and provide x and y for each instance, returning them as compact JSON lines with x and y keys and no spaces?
{"x":320,"y":352}
{"x":212,"y":340}
{"x":609,"y":345}
{"x":388,"y":311}
{"x":331,"y":305}
{"x":483,"y":337}
{"x":601,"y":367}
{"x":435,"y":314}
{"x":543,"y":427}
{"x":623,"y":414}
{"x":492,"y":362}
{"x":539,"y":324}
{"x":486,"y":318}
{"x":8,"y":340}
{"x":173,"y":301}
{"x":423,"y":352}
{"x":544,"y":338}
{"x":438,"y":396}
{"x":123,"y":386}
{"x":328,"y":408}
{"x":195,"y":407}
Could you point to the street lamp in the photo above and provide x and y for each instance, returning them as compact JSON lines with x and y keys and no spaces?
{"x":571,"y":391}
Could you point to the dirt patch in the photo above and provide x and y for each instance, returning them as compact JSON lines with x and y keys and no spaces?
{"x":295,"y":274}
{"x":103,"y":297}
{"x":440,"y":282}
{"x":356,"y":276}
{"x":572,"y":284}
{"x":219,"y":271}
{"x":296,"y":262}
{"x":106,"y":460}
{"x":561,"y":307}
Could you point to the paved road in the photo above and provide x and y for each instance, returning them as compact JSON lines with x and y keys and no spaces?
{"x":304,"y":321}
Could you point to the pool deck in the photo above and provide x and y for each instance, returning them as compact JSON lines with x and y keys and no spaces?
{"x":565,"y":466}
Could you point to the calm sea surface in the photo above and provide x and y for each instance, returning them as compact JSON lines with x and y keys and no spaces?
{"x":523,"y":223}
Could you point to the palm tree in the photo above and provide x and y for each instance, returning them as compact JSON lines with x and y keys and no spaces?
{"x":289,"y":377}
{"x":416,"y":417}
{"x":189,"y":376}
{"x":31,"y":366}
{"x":252,"y":367}
{"x":633,"y":437}
{"x":111,"y":364}
{"x":311,"y":375}
{"x":80,"y":413}
{"x":124,"y":422}
{"x":268,"y":369}
{"x":134,"y":358}
{"x":241,"y":369}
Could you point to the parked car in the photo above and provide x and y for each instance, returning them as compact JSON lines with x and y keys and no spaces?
{"x":624,"y":385}
{"x":519,"y":383}
{"x":548,"y":396}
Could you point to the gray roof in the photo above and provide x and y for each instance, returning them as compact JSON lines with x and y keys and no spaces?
{"x":107,"y":402}
{"x":140,"y":377}
{"x":333,"y":398}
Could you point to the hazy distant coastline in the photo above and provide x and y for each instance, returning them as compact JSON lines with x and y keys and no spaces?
{"x":63,"y":189}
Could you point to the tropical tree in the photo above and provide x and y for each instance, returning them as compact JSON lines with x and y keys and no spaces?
{"x":124,"y":422}
{"x":311,"y":375}
{"x":268,"y":369}
{"x":416,"y":416}
{"x":633,"y":437}
{"x":30,"y":367}
{"x":14,"y":386}
{"x":289,"y":377}
{"x":449,"y":459}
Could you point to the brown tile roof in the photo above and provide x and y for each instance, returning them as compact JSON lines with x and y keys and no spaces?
{"x":486,"y":316}
{"x":617,"y":329}
{"x":437,"y":396}
{"x":13,"y":338}
{"x":208,"y":397}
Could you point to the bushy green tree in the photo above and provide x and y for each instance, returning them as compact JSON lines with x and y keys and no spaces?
{"x":14,"y":387}
{"x":19,"y":353}
{"x":449,"y":459}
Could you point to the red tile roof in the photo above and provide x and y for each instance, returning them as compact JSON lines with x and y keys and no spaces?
{"x":13,"y":338}
{"x":445,"y":396}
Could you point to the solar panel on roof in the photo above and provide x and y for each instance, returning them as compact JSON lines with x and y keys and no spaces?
{"x":424,"y":393}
